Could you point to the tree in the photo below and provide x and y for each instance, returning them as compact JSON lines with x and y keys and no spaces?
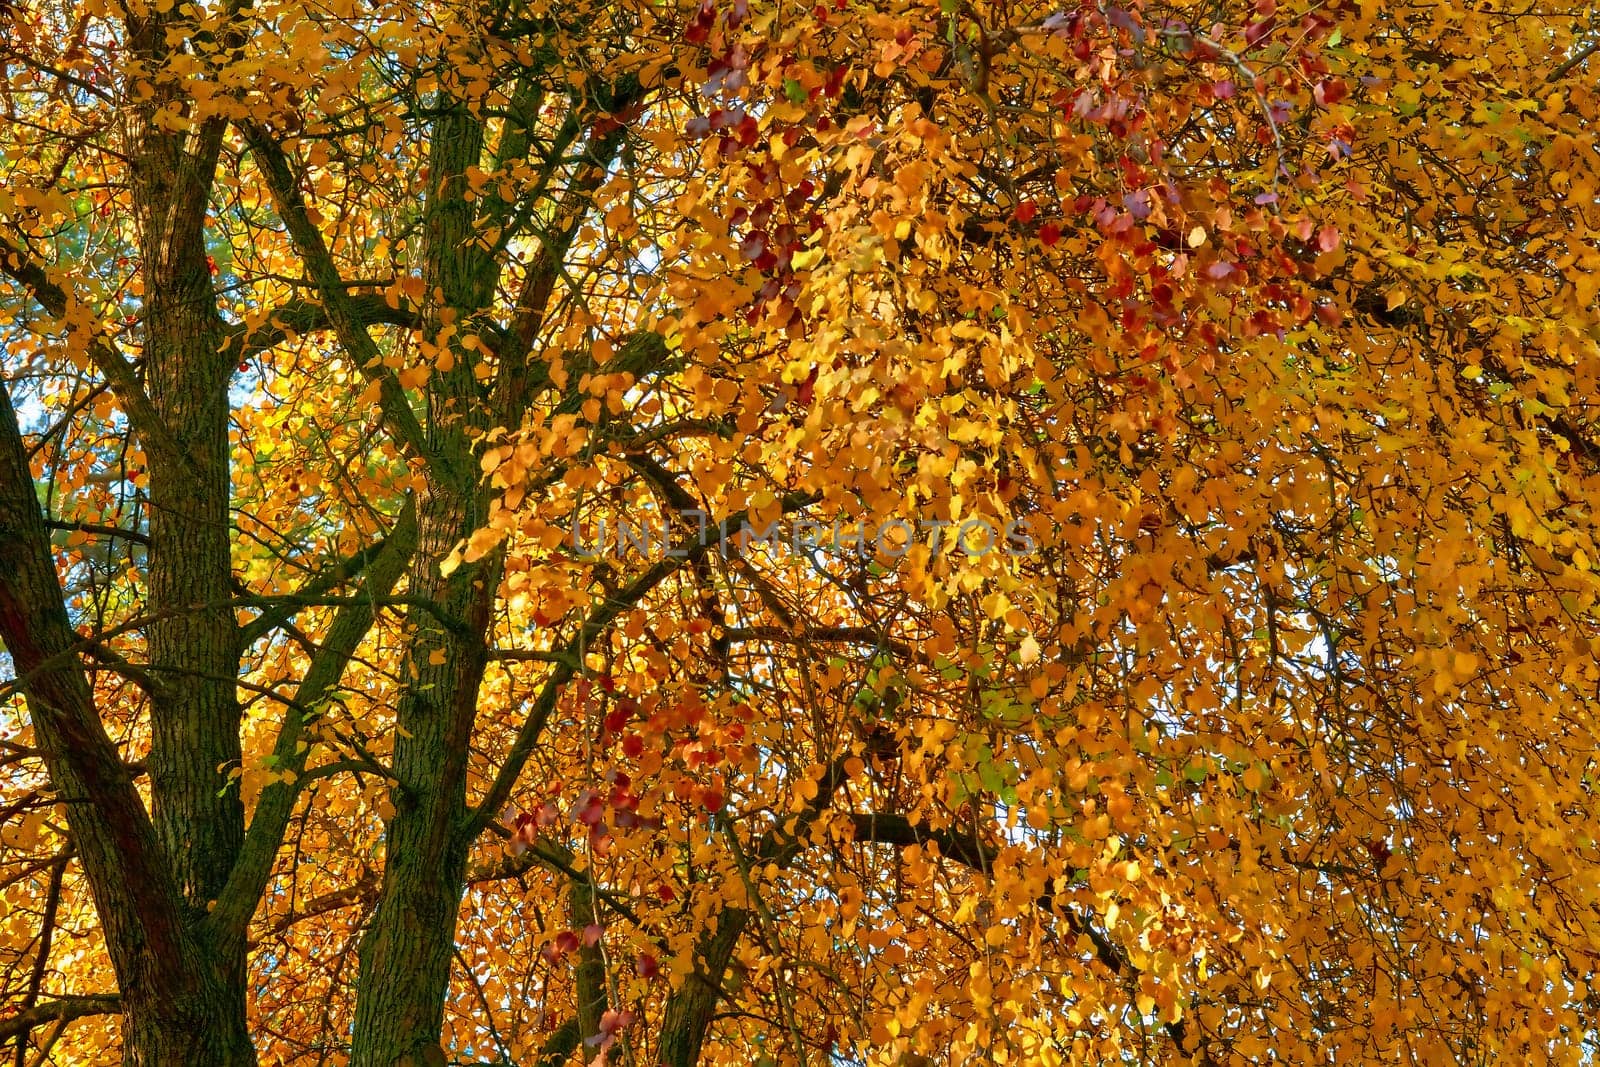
{"x":721,"y":533}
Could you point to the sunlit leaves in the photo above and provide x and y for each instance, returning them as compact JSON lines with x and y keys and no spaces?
{"x":1270,"y":335}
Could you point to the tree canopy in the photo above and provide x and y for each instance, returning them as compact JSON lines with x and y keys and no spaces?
{"x":892,"y":532}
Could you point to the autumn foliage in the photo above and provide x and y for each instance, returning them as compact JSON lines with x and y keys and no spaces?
{"x":893,"y":532}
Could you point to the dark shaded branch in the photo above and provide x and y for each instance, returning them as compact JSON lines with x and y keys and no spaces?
{"x":363,"y":892}
{"x":248,"y":880}
{"x":1573,"y":61}
{"x":971,"y":852}
{"x":554,"y":857}
{"x":41,"y":959}
{"x":851,"y":635}
{"x":99,"y":530}
{"x":303,"y":316}
{"x":67,"y":1008}
{"x":343,"y":315}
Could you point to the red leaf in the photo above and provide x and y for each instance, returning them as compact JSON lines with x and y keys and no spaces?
{"x":547,"y":815}
{"x":590,"y":809}
{"x":808,"y":388}
{"x":1254,"y":32}
{"x":1049,"y":234}
{"x":565,"y":942}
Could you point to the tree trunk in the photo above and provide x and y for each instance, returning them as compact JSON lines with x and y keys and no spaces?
{"x":406,"y":953}
{"x":195,"y":715}
{"x":689,"y":1011}
{"x":205,"y":1027}
{"x":182,"y":1004}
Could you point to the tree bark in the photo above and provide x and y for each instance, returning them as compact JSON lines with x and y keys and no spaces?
{"x":193,"y":635}
{"x":689,"y":1011}
{"x":181,"y":1004}
{"x":406,"y":953}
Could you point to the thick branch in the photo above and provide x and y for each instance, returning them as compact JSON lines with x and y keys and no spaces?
{"x":690,"y":1009}
{"x":561,"y":1044}
{"x":137,"y":898}
{"x":315,"y":588}
{"x":303,"y":316}
{"x":1574,"y":61}
{"x":343,"y":314}
{"x":516,"y":376}
{"x":589,"y":971}
{"x":56,"y":1010}
{"x":273,"y":811}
